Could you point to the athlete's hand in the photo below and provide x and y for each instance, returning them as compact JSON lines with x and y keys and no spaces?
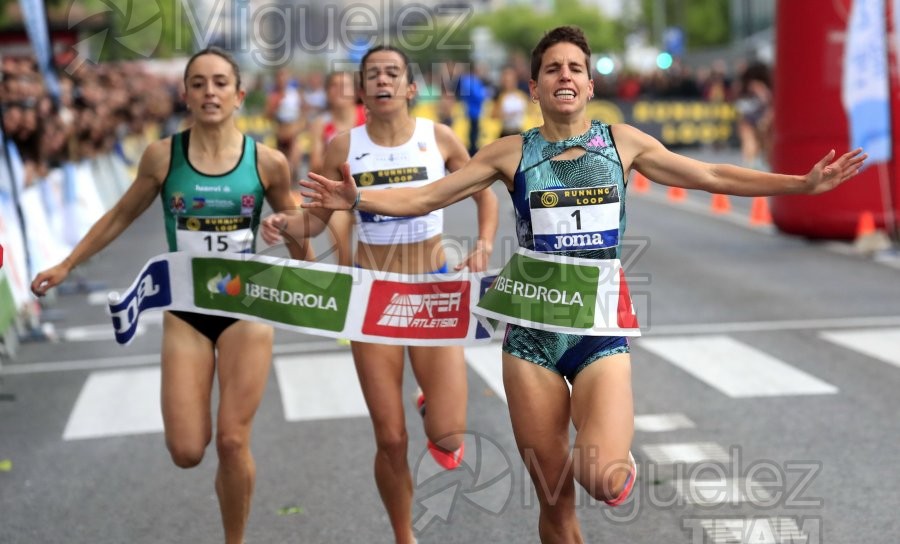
{"x":330,"y":194}
{"x":477,"y":260}
{"x":50,"y":278}
{"x":272,"y":228}
{"x":828,"y":173}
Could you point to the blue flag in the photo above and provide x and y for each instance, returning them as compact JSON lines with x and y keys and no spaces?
{"x":865,"y":86}
{"x":35,"y":18}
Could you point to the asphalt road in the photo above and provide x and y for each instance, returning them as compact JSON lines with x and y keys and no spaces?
{"x":765,"y":397}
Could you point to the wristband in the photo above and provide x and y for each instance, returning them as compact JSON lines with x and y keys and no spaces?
{"x":356,"y":202}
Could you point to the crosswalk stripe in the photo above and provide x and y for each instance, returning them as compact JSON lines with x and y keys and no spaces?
{"x":115,"y":403}
{"x":93,"y":333}
{"x":322,"y":386}
{"x":718,"y":491}
{"x":685,"y":452}
{"x":758,"y":530}
{"x":486,"y":362}
{"x":658,"y":423}
{"x":734,"y":368}
{"x":881,"y":344}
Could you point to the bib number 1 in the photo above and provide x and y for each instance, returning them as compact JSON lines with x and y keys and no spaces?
{"x":574,"y":219}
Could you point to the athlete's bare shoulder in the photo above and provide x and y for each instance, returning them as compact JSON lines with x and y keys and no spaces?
{"x":339,"y":146}
{"x":268,"y":157}
{"x":156,"y":159}
{"x":272,"y":166}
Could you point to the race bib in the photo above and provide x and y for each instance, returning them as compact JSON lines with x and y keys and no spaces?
{"x":386,"y":178}
{"x":575,"y":219}
{"x":214,"y":234}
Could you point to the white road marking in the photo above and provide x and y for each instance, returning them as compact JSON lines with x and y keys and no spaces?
{"x":659,"y":423}
{"x":755,"y":530}
{"x":718,"y":491}
{"x":116,"y":403}
{"x":734,"y":368}
{"x":319,"y":386}
{"x":486,"y":362}
{"x":883,"y":344}
{"x":686,"y":452}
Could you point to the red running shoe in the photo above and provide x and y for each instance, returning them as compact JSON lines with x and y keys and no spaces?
{"x":447,"y":459}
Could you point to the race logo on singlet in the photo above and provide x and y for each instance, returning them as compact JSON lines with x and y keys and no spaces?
{"x":248,"y":204}
{"x":386,"y":178}
{"x":176,"y":203}
{"x":428,"y":310}
{"x":574,"y":218}
{"x":391,"y":176}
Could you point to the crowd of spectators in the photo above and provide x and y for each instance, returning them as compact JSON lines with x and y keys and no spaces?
{"x":97,"y":107}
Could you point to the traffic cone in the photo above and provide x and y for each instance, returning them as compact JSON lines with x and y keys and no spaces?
{"x":870,"y":240}
{"x":865,"y":225}
{"x":640,"y":183}
{"x":759,"y":211}
{"x":677,"y":194}
{"x":720,"y":204}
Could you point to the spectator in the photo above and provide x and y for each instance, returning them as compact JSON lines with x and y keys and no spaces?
{"x":511,"y":104}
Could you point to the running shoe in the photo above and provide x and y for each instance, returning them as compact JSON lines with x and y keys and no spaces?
{"x":420,"y":403}
{"x":629,"y":484}
{"x":447,"y":459}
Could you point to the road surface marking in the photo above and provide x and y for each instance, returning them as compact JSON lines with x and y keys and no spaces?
{"x":486,"y":362}
{"x":686,"y":452}
{"x":659,"y":423}
{"x":321,"y":386}
{"x":883,"y":344}
{"x":116,"y":403}
{"x":734,"y":368}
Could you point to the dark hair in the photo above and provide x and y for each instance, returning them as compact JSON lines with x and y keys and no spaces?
{"x":377,"y":48}
{"x":219,"y":52}
{"x":560,"y":34}
{"x":332,"y":75}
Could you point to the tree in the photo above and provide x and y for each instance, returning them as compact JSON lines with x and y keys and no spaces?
{"x":142,"y":29}
{"x":520,"y":27}
{"x":705,"y":23}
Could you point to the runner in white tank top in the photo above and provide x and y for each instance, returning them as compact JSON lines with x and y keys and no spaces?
{"x":395,"y":149}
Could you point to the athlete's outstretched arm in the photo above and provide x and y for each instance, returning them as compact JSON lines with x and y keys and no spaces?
{"x":495,"y":161}
{"x":457,"y":156}
{"x":649,"y":157}
{"x":298,"y":224}
{"x":151,"y":174}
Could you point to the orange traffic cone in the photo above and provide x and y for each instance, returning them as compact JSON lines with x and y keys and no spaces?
{"x":720,"y":204}
{"x":759,"y":211}
{"x":677,"y":194}
{"x":869,"y":239}
{"x":866,"y":224}
{"x":640,"y":183}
